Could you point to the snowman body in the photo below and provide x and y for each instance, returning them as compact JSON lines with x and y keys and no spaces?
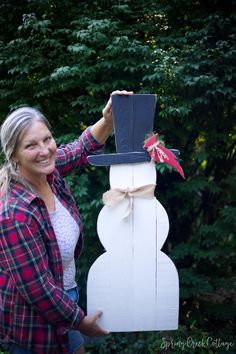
{"x":134,"y":283}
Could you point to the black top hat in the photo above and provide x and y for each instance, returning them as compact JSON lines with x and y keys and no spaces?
{"x":133,"y":121}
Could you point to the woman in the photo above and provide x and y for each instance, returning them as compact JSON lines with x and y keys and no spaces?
{"x":41,"y":235}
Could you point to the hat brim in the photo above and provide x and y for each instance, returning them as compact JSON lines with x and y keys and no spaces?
{"x":122,"y":158}
{"x":118,"y":158}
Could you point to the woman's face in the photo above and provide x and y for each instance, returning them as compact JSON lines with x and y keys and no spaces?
{"x":36,"y":152}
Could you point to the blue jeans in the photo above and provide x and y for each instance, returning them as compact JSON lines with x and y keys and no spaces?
{"x":76,"y":339}
{"x":15,"y":349}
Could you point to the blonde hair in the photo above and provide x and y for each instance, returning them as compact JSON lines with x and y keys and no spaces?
{"x":16,"y":122}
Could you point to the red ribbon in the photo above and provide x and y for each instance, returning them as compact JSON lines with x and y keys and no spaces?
{"x":159,"y":153}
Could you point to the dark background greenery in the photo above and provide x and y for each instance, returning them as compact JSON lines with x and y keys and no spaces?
{"x":65,"y":57}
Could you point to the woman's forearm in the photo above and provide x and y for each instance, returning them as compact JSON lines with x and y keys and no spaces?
{"x":102,"y":129}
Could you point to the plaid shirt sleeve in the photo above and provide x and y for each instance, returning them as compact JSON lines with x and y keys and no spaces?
{"x":71,"y":156}
{"x":25,"y":258}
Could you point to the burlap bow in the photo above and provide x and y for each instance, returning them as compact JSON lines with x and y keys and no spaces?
{"x":116,"y":195}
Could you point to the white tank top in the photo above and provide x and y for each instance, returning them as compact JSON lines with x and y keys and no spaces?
{"x":67,"y":233}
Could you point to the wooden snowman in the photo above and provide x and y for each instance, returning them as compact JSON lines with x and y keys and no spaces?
{"x":134,"y":283}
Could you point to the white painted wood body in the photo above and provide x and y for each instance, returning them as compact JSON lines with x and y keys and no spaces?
{"x":134,"y":283}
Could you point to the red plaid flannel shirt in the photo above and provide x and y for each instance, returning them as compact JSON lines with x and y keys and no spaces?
{"x":35,"y":311}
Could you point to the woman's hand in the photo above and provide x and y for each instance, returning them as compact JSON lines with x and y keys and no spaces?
{"x":107,"y":111}
{"x":103,"y":128}
{"x":88,"y":326}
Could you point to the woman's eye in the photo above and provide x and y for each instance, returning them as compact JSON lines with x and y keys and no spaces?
{"x":48,"y":138}
{"x":29,"y":146}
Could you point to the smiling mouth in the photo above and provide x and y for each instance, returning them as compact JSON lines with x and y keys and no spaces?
{"x":44,"y":162}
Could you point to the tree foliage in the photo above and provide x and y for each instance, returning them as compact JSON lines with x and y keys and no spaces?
{"x":66,"y":57}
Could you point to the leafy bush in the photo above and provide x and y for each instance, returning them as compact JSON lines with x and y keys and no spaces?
{"x":66,"y":59}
